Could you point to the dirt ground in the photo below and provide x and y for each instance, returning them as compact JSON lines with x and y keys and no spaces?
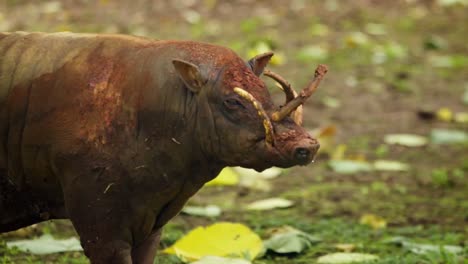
{"x":388,"y":60}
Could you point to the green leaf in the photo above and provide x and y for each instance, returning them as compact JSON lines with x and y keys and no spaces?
{"x":396,"y":240}
{"x":423,"y":249}
{"x":390,"y":165}
{"x":356,"y":39}
{"x":452,"y":2}
{"x":207,"y":211}
{"x":435,"y":43}
{"x":349,"y":166}
{"x":407,"y":140}
{"x":343,"y":258}
{"x":465,"y":96}
{"x":290,"y":240}
{"x":376,"y":29}
{"x":448,"y":61}
{"x":312,"y":53}
{"x":331,"y":102}
{"x":445,"y":136}
{"x":46,"y":244}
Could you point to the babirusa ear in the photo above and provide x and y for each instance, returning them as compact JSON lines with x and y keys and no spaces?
{"x":190,"y":74}
{"x":259,"y":62}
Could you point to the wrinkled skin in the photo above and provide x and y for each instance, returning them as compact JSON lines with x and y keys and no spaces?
{"x":117,"y":132}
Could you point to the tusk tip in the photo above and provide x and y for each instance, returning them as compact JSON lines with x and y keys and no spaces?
{"x":321,"y":70}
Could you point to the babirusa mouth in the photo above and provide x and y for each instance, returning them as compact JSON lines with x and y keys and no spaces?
{"x":269,"y":136}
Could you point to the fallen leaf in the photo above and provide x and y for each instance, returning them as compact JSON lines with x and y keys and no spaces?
{"x":51,"y":7}
{"x":446,"y":136}
{"x":356,"y":39}
{"x":339,"y":152}
{"x":219,"y":260}
{"x":326,"y":136}
{"x":331,"y":102}
{"x":374,"y":221}
{"x":461,"y":117}
{"x":375,"y":29}
{"x":395,"y":50}
{"x":318,"y":29}
{"x":407,"y":140}
{"x":390,"y":165}
{"x":465,"y":96}
{"x":426,"y":248}
{"x":208,"y":211}
{"x":344,"y":258}
{"x":256,"y":183}
{"x":46,"y":244}
{"x":349,"y":166}
{"x":312,"y":53}
{"x":345,"y":247}
{"x":396,"y":240}
{"x":269,"y":204}
{"x":452,"y":2}
{"x":435,"y":42}
{"x":444,"y":114}
{"x":448,"y":61}
{"x":220,"y":239}
{"x":290,"y":240}
{"x":226,"y":177}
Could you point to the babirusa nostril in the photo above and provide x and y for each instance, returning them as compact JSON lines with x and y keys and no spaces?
{"x":302,"y":154}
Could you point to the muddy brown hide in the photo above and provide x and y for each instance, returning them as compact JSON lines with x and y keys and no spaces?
{"x":102,"y":129}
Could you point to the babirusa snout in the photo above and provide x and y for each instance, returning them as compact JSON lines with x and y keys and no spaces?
{"x":269,"y":136}
{"x":305,"y":151}
{"x":293,"y":104}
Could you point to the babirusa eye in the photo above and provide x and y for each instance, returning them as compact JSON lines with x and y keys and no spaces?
{"x":233,"y":104}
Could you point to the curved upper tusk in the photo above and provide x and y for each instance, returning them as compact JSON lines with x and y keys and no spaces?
{"x":285,"y":86}
{"x":289,"y":92}
{"x":306,"y":93}
{"x":269,"y":137}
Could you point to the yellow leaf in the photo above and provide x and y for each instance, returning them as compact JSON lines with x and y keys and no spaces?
{"x":262,"y":47}
{"x":444,"y":114}
{"x":326,"y":137}
{"x":339,"y":152}
{"x":226,"y":177}
{"x":374,"y":221}
{"x":461,"y":117}
{"x":345,"y":247}
{"x":220,"y":239}
{"x":278,"y":59}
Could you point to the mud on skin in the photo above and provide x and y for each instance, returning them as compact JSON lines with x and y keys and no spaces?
{"x":116,"y":133}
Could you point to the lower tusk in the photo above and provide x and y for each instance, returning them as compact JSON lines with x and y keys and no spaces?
{"x":269,"y":138}
{"x":298,"y":116}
